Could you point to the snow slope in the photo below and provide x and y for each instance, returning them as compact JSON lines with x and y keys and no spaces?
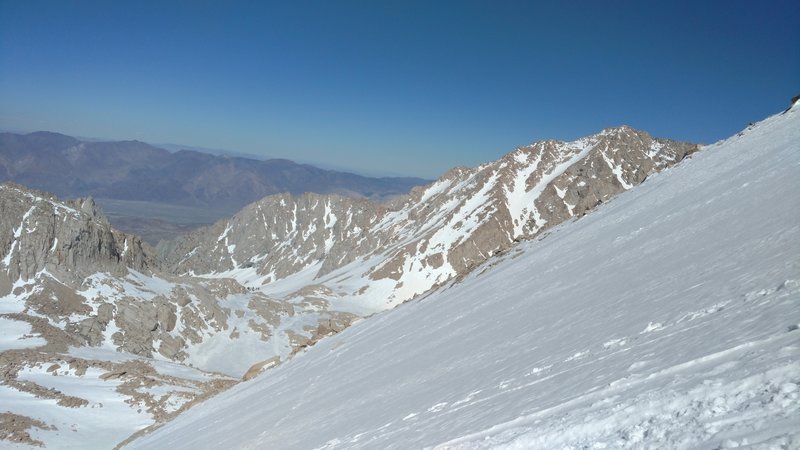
{"x":667,"y":318}
{"x":99,"y":411}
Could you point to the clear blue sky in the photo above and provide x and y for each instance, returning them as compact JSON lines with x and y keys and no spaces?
{"x":400,"y":87}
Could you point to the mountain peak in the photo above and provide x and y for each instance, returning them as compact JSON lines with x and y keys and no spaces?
{"x":622,"y":130}
{"x":439,"y":232}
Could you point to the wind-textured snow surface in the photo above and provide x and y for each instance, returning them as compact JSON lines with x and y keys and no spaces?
{"x":667,"y":318}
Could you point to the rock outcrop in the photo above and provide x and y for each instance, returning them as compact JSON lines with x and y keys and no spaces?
{"x":71,"y":239}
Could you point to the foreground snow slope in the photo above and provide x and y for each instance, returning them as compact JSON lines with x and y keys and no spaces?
{"x":666,"y":318}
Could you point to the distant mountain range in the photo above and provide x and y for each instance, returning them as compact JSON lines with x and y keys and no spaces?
{"x":136,"y":171}
{"x":133,"y":170}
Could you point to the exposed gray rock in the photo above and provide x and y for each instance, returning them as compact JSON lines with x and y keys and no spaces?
{"x":70,"y":239}
{"x":280,"y":235}
{"x":171,"y":347}
{"x":91,"y":329}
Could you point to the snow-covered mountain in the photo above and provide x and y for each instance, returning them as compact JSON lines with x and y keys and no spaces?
{"x":666,"y":318}
{"x":373,"y":257}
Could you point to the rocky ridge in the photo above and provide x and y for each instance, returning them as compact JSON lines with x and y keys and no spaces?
{"x":364,"y":253}
{"x":71,"y":239}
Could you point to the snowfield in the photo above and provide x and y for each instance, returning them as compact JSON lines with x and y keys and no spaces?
{"x":667,"y":318}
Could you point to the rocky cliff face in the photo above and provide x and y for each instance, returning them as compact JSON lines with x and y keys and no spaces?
{"x":436,"y":233}
{"x":72,"y":239}
{"x":280,"y":235}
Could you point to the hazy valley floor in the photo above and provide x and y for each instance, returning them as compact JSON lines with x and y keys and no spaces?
{"x":155,"y":221}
